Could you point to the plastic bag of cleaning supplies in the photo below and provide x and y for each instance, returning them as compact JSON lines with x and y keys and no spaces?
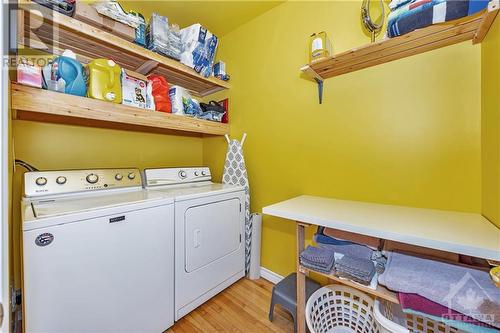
{"x":195,"y":109}
{"x":191,"y":107}
{"x":200,"y":46}
{"x":163,"y":38}
{"x":211,"y":115}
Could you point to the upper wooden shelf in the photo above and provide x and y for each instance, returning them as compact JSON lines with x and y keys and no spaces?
{"x":36,"y":104}
{"x":39,"y":26}
{"x":433,"y":37}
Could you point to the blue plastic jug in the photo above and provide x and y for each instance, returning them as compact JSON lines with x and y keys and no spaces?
{"x":71,"y":71}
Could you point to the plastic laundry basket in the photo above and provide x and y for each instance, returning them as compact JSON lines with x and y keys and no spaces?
{"x":392,"y":319}
{"x":340,"y":309}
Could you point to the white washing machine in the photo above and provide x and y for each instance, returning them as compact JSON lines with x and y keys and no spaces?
{"x":209,"y":233}
{"x":98,"y":253}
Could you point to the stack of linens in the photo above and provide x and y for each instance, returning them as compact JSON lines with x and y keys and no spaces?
{"x":462,"y":297}
{"x":409,"y":15}
{"x":318,"y":259}
{"x":353,"y":261}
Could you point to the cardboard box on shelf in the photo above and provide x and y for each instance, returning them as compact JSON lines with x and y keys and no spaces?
{"x":88,"y":14}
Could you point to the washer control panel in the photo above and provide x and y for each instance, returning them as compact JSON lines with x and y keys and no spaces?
{"x":40,"y":183}
{"x":173,"y":176}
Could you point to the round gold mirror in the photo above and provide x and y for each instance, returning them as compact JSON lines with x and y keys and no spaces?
{"x":373,"y":16}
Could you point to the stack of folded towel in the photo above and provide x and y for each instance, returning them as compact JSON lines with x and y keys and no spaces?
{"x":463,"y":297}
{"x":318,"y":259}
{"x":351,"y":249}
{"x":409,"y":15}
{"x":356,"y":269}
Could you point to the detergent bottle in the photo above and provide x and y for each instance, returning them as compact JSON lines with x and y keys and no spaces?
{"x":65,"y":74}
{"x":105,"y":80}
{"x":71,"y":71}
{"x":160,"y":93}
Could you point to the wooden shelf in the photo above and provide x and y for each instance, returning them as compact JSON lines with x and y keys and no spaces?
{"x":36,"y":104}
{"x":381,"y":291}
{"x":39,"y":26}
{"x":433,"y":37}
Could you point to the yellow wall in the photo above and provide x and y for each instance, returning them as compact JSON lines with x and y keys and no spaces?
{"x":406,"y":132}
{"x":490,"y":65}
{"x":50,"y":146}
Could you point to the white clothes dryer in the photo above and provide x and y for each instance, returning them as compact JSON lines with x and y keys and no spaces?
{"x":209,"y":233}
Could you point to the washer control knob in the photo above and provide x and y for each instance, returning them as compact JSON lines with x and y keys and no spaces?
{"x":118,"y":176}
{"x":196,"y":173}
{"x":182,"y":174}
{"x":131,"y":175}
{"x":61,"y":180}
{"x":40,"y":181}
{"x":203,"y":173}
{"x":92,"y":178}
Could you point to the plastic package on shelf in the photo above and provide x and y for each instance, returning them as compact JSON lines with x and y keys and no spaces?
{"x":163,"y":38}
{"x":29,"y":74}
{"x":200,"y":46}
{"x":140,"y":31}
{"x":177,"y":93}
{"x":133,"y":91}
{"x":160,"y":92}
{"x":115,"y":11}
{"x":191,"y":107}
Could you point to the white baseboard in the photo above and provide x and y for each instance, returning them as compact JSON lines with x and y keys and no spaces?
{"x":270,"y":275}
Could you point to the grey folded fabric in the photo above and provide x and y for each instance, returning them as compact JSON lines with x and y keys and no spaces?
{"x":358,"y":269}
{"x":327,"y":270}
{"x":344,"y":247}
{"x":380,"y":261}
{"x":318,"y":259}
{"x":318,"y":256}
{"x":465,"y":290}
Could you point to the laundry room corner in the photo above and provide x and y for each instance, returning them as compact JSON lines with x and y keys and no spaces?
{"x":421,"y":152}
{"x":250,"y":166}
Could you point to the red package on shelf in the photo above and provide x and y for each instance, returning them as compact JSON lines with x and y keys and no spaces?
{"x":225,"y":104}
{"x":160,"y":89}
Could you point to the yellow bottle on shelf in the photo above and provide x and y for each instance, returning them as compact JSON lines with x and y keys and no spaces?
{"x":105,"y":80}
{"x":319,"y":46}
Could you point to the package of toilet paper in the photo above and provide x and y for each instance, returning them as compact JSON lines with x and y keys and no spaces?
{"x":176,"y":94}
{"x":200,"y":46}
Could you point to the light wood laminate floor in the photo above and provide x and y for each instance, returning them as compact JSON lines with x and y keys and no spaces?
{"x":243,"y":307}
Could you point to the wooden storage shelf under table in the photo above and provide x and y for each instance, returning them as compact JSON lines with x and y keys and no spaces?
{"x":450,"y":231}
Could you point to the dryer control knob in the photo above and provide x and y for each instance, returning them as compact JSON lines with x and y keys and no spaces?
{"x":182,"y":174}
{"x":61,"y":180}
{"x":196,"y":173}
{"x":92,"y":178}
{"x":203,"y":173}
{"x":40,"y":181}
{"x":118,"y":176}
{"x":131,"y":176}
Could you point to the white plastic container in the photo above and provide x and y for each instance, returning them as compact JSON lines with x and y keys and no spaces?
{"x":340,"y":309}
{"x":392,"y":319}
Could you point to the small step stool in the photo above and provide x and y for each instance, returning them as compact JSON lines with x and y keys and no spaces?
{"x":285,"y":294}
